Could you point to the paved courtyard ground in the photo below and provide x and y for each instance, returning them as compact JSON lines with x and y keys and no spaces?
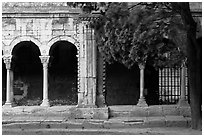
{"x":124,"y":131}
{"x":165,"y":120}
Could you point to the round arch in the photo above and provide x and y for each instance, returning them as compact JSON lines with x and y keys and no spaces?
{"x":63,"y":72}
{"x":62,"y":38}
{"x":24,"y":38}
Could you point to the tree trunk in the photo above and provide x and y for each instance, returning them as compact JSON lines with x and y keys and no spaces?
{"x":195,"y":76}
{"x":194,"y":55}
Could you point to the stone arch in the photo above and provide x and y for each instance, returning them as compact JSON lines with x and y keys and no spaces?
{"x":62,"y":38}
{"x":63,"y":72}
{"x":24,"y":38}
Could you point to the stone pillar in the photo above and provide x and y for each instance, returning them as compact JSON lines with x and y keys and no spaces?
{"x":101,"y":81}
{"x":44,"y":61}
{"x":182,"y":100}
{"x":7,"y":61}
{"x":91,"y":59}
{"x":88,"y":66}
{"x":142,"y":102}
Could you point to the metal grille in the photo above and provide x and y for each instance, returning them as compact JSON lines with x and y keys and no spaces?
{"x":169,"y":85}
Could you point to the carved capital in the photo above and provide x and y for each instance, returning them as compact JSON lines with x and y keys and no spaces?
{"x":44,"y":60}
{"x":184,"y":63}
{"x":7,"y":61}
{"x":141,"y":66}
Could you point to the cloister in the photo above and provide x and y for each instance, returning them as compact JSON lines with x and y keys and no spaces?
{"x":60,"y":39}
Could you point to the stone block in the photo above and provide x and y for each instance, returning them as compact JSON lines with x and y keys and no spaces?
{"x":119,"y":114}
{"x":155,"y":111}
{"x":185,"y":111}
{"x":170,"y":110}
{"x":139,"y":112}
{"x":20,"y":118}
{"x":10,"y":27}
{"x":88,"y":113}
{"x":37,"y":118}
{"x":29,"y":32}
{"x":188,"y":119}
{"x":176,"y":121}
{"x":57,"y":32}
{"x":92,"y":125}
{"x":22,"y":126}
{"x":56,"y":25}
{"x":111,"y":125}
{"x":121,"y":108}
{"x":155,"y":121}
{"x":69,"y":33}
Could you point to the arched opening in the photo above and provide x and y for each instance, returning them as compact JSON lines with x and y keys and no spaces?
{"x":27,"y":69}
{"x":122,"y":84}
{"x":63,"y":74}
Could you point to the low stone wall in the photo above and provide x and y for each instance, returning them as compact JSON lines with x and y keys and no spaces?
{"x":70,"y":112}
{"x":150,"y":111}
{"x":73,"y":112}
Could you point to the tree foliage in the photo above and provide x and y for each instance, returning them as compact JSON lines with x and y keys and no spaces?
{"x":130,"y":36}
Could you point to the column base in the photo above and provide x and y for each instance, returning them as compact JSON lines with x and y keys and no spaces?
{"x":183,"y":103}
{"x":142,"y":103}
{"x":88,"y":113}
{"x":8,"y":105}
{"x":86,"y":106}
{"x":45,"y":103}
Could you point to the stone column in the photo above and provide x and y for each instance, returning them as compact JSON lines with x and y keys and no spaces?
{"x":142,"y":102}
{"x":12,"y":77}
{"x":44,"y":61}
{"x":7,"y":61}
{"x":182,"y":100}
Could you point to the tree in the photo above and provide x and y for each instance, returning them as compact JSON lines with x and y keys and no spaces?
{"x":194,"y":55}
{"x":131,"y":37}
{"x":163,"y":31}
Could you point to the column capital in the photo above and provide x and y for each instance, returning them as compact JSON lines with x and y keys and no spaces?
{"x":184,"y":63}
{"x":141,"y":66}
{"x":7,"y":61}
{"x":44,"y":59}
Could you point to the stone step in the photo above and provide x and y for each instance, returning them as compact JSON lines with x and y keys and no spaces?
{"x":119,"y":122}
{"x":150,"y":111}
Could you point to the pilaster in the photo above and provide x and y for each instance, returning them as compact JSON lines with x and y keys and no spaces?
{"x":101,"y":81}
{"x":88,"y":66}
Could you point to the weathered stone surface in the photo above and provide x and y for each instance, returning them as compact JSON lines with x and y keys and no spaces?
{"x":88,"y":113}
{"x":139,"y":112}
{"x":155,"y":111}
{"x":155,"y":121}
{"x":176,"y":121}
{"x":185,"y":111}
{"x":170,"y":110}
